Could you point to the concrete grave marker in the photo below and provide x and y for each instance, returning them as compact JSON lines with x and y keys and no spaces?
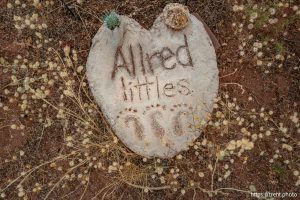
{"x":151,"y":83}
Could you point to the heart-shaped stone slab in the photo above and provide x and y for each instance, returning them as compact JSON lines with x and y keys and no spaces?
{"x":150,"y":84}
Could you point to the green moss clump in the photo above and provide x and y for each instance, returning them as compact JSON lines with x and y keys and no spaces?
{"x":111,"y":20}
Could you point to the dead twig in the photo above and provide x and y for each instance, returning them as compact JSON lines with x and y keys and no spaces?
{"x":70,"y":11}
{"x":237,"y":84}
{"x":235,"y":70}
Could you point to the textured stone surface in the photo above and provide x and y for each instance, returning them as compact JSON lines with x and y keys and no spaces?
{"x":151,"y":84}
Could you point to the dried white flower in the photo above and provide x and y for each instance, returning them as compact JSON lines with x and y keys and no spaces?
{"x":287,"y":147}
{"x":201,"y":174}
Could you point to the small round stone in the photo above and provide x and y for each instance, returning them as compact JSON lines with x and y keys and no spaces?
{"x":176,"y":16}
